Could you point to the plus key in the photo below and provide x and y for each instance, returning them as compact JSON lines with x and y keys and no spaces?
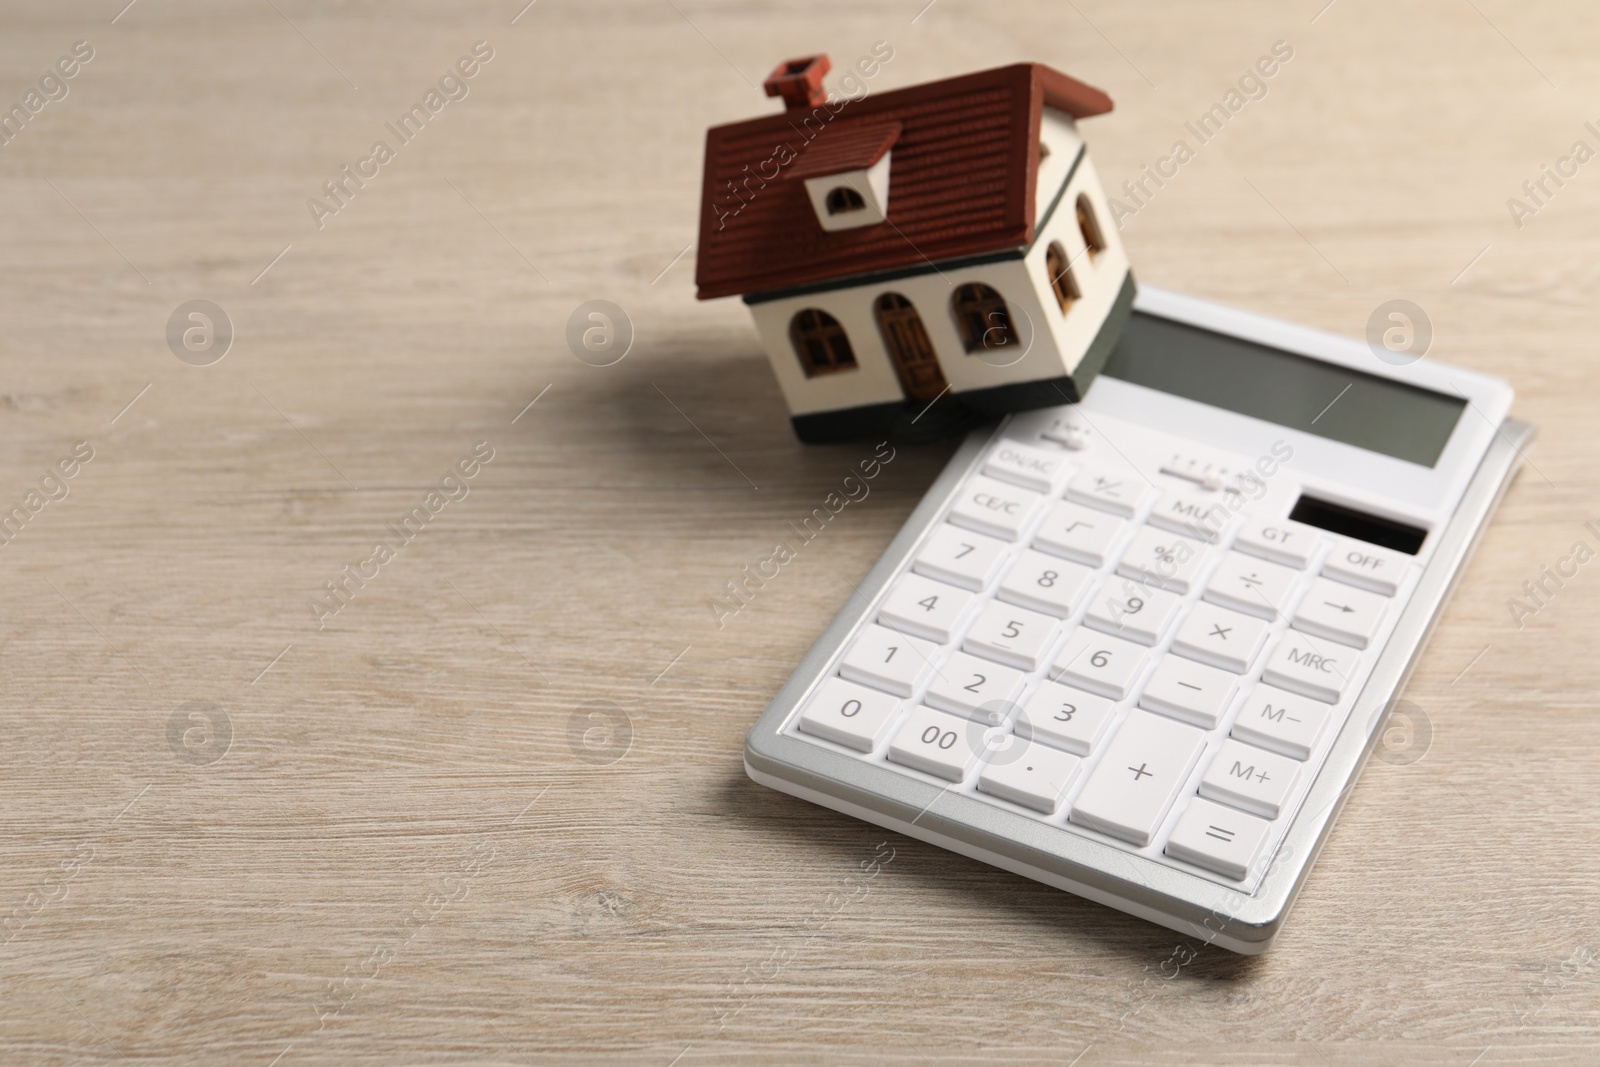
{"x":1139,"y":777}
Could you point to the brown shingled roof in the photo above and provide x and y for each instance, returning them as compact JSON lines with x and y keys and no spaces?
{"x":850,"y":144}
{"x":961,"y":182}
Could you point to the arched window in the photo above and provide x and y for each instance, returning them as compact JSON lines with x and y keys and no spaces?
{"x":842,"y":199}
{"x":821,"y":343}
{"x":981,"y":317}
{"x":1062,"y":283}
{"x":1089,"y":226}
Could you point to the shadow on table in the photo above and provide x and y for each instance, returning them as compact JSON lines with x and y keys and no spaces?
{"x":706,"y":402}
{"x":1080,"y":927}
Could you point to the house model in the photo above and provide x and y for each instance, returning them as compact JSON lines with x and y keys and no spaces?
{"x":950,"y":238}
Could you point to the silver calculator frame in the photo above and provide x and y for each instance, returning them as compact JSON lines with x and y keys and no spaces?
{"x":1194,"y":906}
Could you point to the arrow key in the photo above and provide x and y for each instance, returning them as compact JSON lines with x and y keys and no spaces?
{"x":1339,"y":613}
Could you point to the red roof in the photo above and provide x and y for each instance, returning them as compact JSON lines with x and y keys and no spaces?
{"x":851,"y":144}
{"x":961,"y":179}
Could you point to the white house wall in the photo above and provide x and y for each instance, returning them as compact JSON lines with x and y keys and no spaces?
{"x":1059,"y":133}
{"x":1099,"y":280}
{"x":872,"y":382}
{"x":1024,"y":283}
{"x":968,"y":371}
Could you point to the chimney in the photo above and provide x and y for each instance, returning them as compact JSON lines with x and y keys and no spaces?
{"x":799,"y":81}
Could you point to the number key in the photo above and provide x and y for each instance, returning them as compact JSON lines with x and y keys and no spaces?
{"x":1045,"y":583}
{"x":924,"y":607}
{"x":1014,"y":636}
{"x":1065,"y":718}
{"x":1124,"y":609}
{"x":889,"y":661}
{"x":960,"y":557}
{"x":943,"y":745}
{"x":1100,"y":664}
{"x":852,"y":715}
{"x":976,"y":688}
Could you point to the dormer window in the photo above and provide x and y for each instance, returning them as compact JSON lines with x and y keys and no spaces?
{"x":842,"y":199}
{"x":845,"y":166}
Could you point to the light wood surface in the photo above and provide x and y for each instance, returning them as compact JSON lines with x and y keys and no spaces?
{"x":406,"y":853}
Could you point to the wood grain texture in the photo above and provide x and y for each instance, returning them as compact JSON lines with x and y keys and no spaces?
{"x":407,"y":853}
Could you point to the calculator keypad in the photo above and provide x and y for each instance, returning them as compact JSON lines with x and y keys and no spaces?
{"x":1250,"y":585}
{"x":1046,"y":583}
{"x":1340,"y":613}
{"x":1165,"y":560}
{"x":1068,"y":719}
{"x":975,"y":688}
{"x":849,"y":714}
{"x":1133,"y":613}
{"x":936,"y":742}
{"x":1075,"y":532}
{"x":1153,"y":666}
{"x":1035,"y":776}
{"x":1144,"y":769}
{"x":990,"y":507}
{"x":925,"y":608}
{"x":960,"y":557}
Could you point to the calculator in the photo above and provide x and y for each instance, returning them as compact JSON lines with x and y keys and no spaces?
{"x":1139,"y":648}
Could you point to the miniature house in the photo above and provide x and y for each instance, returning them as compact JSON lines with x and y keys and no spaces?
{"x":949,"y":238}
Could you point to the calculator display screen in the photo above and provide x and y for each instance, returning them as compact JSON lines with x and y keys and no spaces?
{"x":1300,"y":392}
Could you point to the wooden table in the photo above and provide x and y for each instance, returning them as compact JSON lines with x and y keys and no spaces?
{"x":492,"y":810}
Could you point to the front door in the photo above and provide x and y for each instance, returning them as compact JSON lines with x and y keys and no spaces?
{"x":909,"y":347}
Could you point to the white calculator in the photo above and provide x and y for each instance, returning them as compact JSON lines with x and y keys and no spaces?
{"x":1139,"y":648}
